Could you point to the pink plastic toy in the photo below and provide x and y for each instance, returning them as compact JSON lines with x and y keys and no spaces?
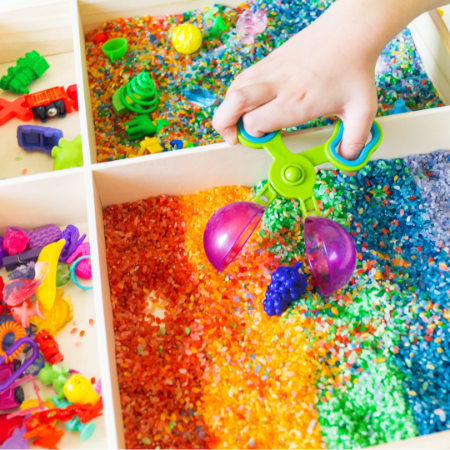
{"x":16,"y":291}
{"x":250,"y":24}
{"x":25,"y":311}
{"x":15,"y":241}
{"x":84,"y":269}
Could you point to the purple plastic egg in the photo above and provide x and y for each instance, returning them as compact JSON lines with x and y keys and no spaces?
{"x":331,"y":253}
{"x":228,"y":230}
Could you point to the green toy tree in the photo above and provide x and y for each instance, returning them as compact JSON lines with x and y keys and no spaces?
{"x":139,"y":95}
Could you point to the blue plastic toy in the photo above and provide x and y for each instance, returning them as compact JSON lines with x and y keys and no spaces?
{"x":399,"y":107}
{"x":287,"y":284}
{"x":200,"y":97}
{"x":38,"y":138}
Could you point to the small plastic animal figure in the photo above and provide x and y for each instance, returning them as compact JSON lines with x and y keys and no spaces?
{"x":67,"y":154}
{"x":78,"y":389}
{"x":56,"y":376}
{"x":25,"y":311}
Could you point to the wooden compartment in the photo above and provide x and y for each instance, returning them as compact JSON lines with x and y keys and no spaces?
{"x":56,"y":29}
{"x":47,"y":28}
{"x":194,"y":170}
{"x":60,"y":199}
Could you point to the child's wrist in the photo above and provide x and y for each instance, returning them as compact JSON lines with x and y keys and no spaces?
{"x":370,"y":24}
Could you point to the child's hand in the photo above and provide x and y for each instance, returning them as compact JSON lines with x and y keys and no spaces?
{"x":326,"y":69}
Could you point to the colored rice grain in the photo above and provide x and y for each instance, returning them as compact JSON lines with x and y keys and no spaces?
{"x":201,"y":365}
{"x":399,"y":72}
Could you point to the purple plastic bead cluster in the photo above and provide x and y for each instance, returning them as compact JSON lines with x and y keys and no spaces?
{"x":287,"y":284}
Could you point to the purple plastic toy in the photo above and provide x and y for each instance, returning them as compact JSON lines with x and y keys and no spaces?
{"x":11,"y":397}
{"x":3,"y":252}
{"x":16,"y":440}
{"x":19,"y":371}
{"x":228,"y":230}
{"x":42,"y":236}
{"x":35,"y":137}
{"x":12,"y":261}
{"x":73,"y":241}
{"x":329,"y":247}
{"x":331,"y":253}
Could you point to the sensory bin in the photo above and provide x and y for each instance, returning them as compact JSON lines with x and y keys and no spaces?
{"x":399,"y":72}
{"x":365,"y":366}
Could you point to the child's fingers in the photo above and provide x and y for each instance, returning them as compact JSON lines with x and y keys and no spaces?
{"x":357,"y":126}
{"x":237,"y":102}
{"x":275,"y":115}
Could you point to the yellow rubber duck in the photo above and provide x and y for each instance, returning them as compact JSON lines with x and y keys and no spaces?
{"x":78,"y":389}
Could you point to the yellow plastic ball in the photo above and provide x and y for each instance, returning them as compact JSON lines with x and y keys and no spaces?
{"x":187,"y":38}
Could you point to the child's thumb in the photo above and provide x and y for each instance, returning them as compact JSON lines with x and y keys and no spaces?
{"x":356,"y":131}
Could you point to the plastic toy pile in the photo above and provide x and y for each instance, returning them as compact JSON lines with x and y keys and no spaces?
{"x":34,"y":309}
{"x":215,"y":364}
{"x":192,"y":58}
{"x":41,"y":105}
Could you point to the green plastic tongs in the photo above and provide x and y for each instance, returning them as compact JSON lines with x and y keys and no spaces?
{"x":292,"y":175}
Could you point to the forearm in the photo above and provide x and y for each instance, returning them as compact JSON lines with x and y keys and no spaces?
{"x":371,"y":24}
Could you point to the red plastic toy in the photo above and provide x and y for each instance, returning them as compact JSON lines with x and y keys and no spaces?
{"x":42,"y":419}
{"x":100,"y":38}
{"x":53,"y":102}
{"x":49,"y":347}
{"x":18,"y":108}
{"x":73,"y":95}
{"x":47,"y":436}
{"x":7,"y":426}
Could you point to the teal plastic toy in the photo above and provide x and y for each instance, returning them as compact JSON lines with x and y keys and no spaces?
{"x":67,"y":154}
{"x":86,"y":429}
{"x":27,"y":69}
{"x":292,"y":175}
{"x":142,"y":126}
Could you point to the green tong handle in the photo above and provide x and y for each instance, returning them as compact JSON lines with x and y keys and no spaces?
{"x":292,"y":175}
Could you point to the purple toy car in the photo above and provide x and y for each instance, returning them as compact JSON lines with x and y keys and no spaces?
{"x":39,"y":138}
{"x":10,"y":398}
